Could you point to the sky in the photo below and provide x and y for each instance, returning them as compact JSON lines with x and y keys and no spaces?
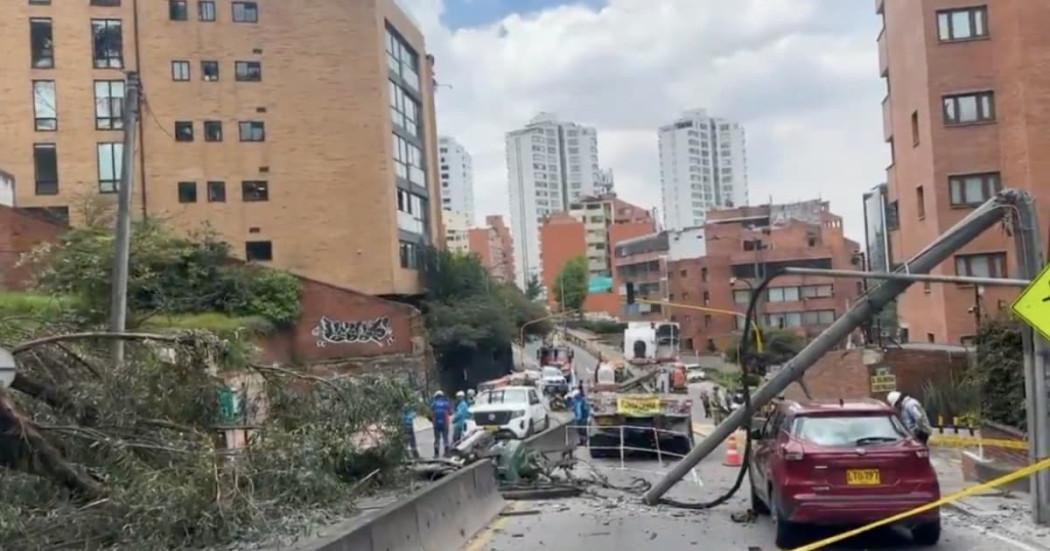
{"x":800,"y":75}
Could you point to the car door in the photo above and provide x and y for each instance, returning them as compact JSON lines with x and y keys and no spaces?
{"x":763,"y":450}
{"x":535,"y":409}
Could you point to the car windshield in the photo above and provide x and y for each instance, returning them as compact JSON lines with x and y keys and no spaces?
{"x":551,"y":372}
{"x":505,"y":396}
{"x":859,"y":430}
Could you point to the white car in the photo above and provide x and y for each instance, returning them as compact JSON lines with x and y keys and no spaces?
{"x":554,"y":382}
{"x":515,"y":411}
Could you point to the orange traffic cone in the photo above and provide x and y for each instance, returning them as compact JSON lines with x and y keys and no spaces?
{"x":733,"y":458}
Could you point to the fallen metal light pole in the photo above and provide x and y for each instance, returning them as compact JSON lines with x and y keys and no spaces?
{"x":982,"y":218}
{"x":961,"y":280}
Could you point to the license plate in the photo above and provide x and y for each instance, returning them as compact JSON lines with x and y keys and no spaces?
{"x":491,"y":428}
{"x":863,"y":477}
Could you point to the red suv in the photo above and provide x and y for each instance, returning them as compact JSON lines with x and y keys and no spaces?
{"x":832,"y":463}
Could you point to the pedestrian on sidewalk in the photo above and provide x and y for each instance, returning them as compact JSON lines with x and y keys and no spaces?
{"x":408,"y":423}
{"x":912,"y":414}
{"x":439,"y":412}
{"x":460,"y":417}
{"x":581,"y":414}
{"x":705,"y":399}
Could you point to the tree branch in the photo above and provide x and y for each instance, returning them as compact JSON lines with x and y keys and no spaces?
{"x":54,"y":397}
{"x":93,"y":335}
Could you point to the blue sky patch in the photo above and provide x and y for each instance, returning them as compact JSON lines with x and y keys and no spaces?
{"x":472,"y":13}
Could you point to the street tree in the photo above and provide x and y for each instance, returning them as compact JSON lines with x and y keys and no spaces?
{"x":533,"y":289}
{"x":570,"y":287}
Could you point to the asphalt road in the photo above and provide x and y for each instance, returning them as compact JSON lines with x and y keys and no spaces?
{"x":609,"y":520}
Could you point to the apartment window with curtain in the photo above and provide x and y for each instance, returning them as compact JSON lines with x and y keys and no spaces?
{"x":969,"y":108}
{"x":253,"y":131}
{"x":247,"y":71}
{"x":216,"y":192}
{"x":411,"y":212}
{"x":178,"y":10}
{"x":254,"y":191}
{"x":245,"y":12}
{"x":109,"y":104}
{"x":110,"y":159}
{"x":206,"y":10}
{"x":981,"y":265}
{"x":45,"y":168}
{"x":107,"y":43}
{"x":41,"y":43}
{"x":45,"y":114}
{"x":962,"y":24}
{"x":970,"y":190}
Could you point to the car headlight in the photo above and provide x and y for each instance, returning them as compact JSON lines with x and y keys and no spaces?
{"x":520,"y":413}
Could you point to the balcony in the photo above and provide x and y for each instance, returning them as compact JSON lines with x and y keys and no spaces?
{"x":887,"y":118}
{"x":884,"y":54}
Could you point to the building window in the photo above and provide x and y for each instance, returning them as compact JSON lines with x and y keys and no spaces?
{"x":183,"y":131}
{"x":703,"y":275}
{"x":742,"y":296}
{"x":404,"y":110}
{"x":42,"y":2}
{"x":973,"y":189}
{"x":206,"y":10}
{"x":963,"y":24}
{"x":180,"y":70}
{"x":408,"y":161}
{"x":818,"y":317}
{"x":187,"y":192}
{"x":209,"y":71}
{"x":45,"y":165}
{"x":915,"y":128}
{"x":411,"y":212}
{"x":104,"y":3}
{"x":969,"y":108}
{"x":248,"y":71}
{"x":783,"y":294}
{"x":818,"y":291}
{"x":893,"y":216}
{"x":177,"y":10}
{"x":42,"y":44}
{"x":216,"y":192}
{"x":45,"y":114}
{"x":245,"y":12}
{"x":110,"y":161}
{"x":411,"y":255}
{"x":213,"y":131}
{"x":109,"y":104}
{"x":920,"y":202}
{"x":107,"y":43}
{"x":254,"y":191}
{"x":981,"y":265}
{"x":258,"y":251}
{"x":402,"y":60}
{"x":253,"y":131}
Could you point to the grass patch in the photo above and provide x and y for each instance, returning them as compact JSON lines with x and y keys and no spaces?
{"x":220,"y":324}
{"x":34,"y":305}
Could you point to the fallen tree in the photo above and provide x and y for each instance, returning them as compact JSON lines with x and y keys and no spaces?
{"x":94,"y":455}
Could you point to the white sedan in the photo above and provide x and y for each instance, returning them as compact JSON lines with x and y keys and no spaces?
{"x":514,"y":411}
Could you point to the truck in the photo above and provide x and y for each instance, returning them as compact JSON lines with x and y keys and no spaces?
{"x":641,"y":414}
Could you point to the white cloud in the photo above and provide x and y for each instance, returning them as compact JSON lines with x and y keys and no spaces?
{"x":801,"y":75}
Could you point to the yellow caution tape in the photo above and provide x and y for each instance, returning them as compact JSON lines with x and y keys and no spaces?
{"x":959,"y":441}
{"x":1006,"y":479}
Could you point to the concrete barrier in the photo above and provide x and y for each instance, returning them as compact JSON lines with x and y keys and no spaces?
{"x":553,"y":441}
{"x":442,"y":516}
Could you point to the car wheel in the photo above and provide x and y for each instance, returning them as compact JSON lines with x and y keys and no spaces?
{"x":757,"y":505}
{"x":927,"y":534}
{"x":786,"y":531}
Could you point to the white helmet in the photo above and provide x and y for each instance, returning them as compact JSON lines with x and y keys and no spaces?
{"x":439,"y":393}
{"x":460,"y":394}
{"x":892,"y":398}
{"x":471,"y":392}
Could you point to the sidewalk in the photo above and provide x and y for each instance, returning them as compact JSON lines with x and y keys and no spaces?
{"x":1003,"y":513}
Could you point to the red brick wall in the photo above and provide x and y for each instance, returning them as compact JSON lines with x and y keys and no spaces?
{"x":609,"y":303}
{"x":562,"y":238}
{"x":356,"y":325}
{"x":19,"y":233}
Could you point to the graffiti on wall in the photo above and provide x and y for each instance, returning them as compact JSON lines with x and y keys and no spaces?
{"x":376,"y":331}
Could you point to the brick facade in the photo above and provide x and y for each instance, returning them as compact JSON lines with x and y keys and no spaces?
{"x":562,"y":238}
{"x":19,"y":234}
{"x":328,"y":152}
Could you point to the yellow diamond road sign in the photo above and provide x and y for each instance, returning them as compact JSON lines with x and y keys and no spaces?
{"x":1033,"y":306}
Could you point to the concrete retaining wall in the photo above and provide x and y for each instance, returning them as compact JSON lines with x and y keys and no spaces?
{"x":443,"y":516}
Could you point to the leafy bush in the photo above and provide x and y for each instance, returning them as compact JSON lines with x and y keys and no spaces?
{"x":999,"y":373}
{"x":778,"y":347}
{"x":600,"y":327}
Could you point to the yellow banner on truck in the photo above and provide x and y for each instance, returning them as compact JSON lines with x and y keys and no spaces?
{"x":638,"y":405}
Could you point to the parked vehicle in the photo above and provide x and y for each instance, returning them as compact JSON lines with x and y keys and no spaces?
{"x":844,"y":462}
{"x":553,"y":382}
{"x":511,"y":412}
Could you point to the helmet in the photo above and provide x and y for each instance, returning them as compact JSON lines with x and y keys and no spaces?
{"x":892,"y":398}
{"x":460,"y":394}
{"x":471,"y":392}
{"x":438,"y":393}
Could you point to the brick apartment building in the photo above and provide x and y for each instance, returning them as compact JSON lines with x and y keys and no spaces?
{"x":303,"y":134}
{"x":715,"y":266}
{"x":964,"y":115}
{"x":592,"y":228}
{"x":495,"y":247}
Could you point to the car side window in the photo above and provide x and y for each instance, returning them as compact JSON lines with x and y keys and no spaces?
{"x":533,"y":399}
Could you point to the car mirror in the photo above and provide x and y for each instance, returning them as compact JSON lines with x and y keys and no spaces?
{"x":756,"y":434}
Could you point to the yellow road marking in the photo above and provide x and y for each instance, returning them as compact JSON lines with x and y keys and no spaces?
{"x":1006,"y":479}
{"x":484,"y":537}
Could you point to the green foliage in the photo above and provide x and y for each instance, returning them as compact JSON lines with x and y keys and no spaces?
{"x":778,"y":346}
{"x":223,"y":325}
{"x":466,"y":309}
{"x":34,"y":305}
{"x":960,"y":397}
{"x":533,"y":289}
{"x":168,"y":274}
{"x":570,"y":288}
{"x":600,"y":327}
{"x":999,"y":373}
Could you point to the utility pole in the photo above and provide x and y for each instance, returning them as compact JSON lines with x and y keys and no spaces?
{"x":118,"y":306}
